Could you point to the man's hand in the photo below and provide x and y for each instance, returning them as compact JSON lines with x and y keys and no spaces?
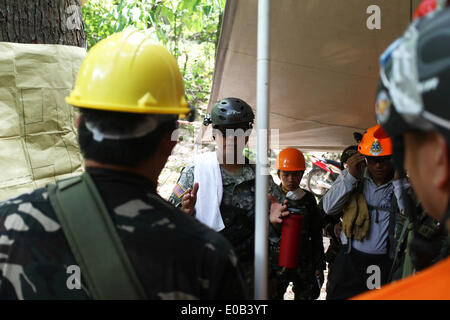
{"x":189,"y":200}
{"x":355,"y":164}
{"x":277,"y":211}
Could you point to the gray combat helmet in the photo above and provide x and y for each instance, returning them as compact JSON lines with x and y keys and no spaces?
{"x":230,"y":113}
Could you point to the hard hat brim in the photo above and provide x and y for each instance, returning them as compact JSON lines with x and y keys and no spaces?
{"x":127,"y":108}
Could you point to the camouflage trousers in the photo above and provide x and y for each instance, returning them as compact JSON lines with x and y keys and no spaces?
{"x":305,"y":282}
{"x":248,"y":272}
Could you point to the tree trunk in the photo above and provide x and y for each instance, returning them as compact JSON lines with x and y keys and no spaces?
{"x":42,"y":21}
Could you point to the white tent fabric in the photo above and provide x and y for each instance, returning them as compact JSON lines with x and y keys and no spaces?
{"x":323,"y":65}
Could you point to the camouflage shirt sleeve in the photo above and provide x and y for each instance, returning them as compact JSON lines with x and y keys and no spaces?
{"x":185,"y":181}
{"x":34,"y":257}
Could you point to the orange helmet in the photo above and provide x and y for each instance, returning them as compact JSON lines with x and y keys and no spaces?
{"x":291,"y":159}
{"x":375,"y":143}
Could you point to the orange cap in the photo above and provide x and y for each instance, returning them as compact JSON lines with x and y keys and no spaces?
{"x":375,"y":143}
{"x":291,"y":159}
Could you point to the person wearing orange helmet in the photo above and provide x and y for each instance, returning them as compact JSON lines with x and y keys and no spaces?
{"x":370,"y":200}
{"x":307,"y":277}
{"x":412,"y":106}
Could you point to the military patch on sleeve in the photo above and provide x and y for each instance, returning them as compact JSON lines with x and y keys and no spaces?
{"x":178,"y":190}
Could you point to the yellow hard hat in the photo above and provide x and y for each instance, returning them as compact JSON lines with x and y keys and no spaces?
{"x":126,"y":72}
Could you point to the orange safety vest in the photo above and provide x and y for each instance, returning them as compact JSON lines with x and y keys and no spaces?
{"x":430,"y":284}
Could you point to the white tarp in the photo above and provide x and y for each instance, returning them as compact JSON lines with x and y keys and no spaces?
{"x":37,"y":128}
{"x":324,"y":65}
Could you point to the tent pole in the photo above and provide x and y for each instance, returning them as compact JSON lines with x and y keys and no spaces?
{"x":262,"y":163}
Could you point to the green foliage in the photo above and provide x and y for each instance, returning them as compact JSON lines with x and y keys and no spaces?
{"x":188,"y":28}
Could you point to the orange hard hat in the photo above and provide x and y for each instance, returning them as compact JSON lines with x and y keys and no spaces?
{"x":375,"y":143}
{"x":291,"y":159}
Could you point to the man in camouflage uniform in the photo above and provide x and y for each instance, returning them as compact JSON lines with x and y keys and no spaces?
{"x":237,"y":208}
{"x":308,"y":276}
{"x":174,"y":256}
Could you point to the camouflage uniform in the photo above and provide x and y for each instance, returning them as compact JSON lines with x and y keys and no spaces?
{"x":237,"y":210}
{"x":174,"y":256}
{"x":311,"y":255}
{"x":419,"y":243}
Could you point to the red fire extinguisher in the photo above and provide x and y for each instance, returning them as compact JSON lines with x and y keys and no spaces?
{"x":291,"y":230}
{"x":290,"y":239}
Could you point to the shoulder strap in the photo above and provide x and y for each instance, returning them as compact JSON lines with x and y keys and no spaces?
{"x":396,"y":253}
{"x":93,"y":239}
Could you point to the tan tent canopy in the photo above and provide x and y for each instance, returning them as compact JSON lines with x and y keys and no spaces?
{"x":323,"y":64}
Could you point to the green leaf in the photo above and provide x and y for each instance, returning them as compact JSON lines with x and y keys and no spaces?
{"x":170,"y":16}
{"x":207,"y":10}
{"x":164,"y":12}
{"x":190,"y":5}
